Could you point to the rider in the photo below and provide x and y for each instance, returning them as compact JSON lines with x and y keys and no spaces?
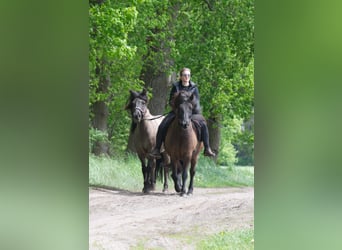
{"x":183,"y":84}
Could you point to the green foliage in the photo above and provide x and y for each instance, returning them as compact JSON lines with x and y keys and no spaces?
{"x":110,"y":55}
{"x":230,"y":240}
{"x":244,"y":143}
{"x":96,"y":135}
{"x":214,"y":38}
{"x":208,"y":174}
{"x":216,"y":42}
{"x":125,"y":172}
{"x":118,"y":130}
{"x":227,"y":155}
{"x":153,"y":34}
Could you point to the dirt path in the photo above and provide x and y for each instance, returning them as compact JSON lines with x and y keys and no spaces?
{"x":122,"y":219}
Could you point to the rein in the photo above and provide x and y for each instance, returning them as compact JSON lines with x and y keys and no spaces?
{"x":143,"y":112}
{"x":157,"y":117}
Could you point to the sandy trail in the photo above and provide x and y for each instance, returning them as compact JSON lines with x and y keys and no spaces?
{"x":120,"y":219}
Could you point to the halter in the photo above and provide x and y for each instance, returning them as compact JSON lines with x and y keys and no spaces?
{"x":141,"y":110}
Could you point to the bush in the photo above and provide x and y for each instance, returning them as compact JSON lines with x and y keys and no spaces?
{"x":96,"y":136}
{"x":227,"y":155}
{"x":244,"y":144}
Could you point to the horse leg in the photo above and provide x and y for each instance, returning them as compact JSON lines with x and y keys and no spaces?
{"x":192,"y":174}
{"x":179,"y":175}
{"x":175,"y":175}
{"x":166,"y":165}
{"x":148,"y":177}
{"x":145,"y":173}
{"x":184,"y":176}
{"x":166,"y":175}
{"x":152,"y":173}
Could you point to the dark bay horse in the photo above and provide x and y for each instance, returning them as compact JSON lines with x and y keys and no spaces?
{"x":144,"y":129}
{"x":181,"y":142}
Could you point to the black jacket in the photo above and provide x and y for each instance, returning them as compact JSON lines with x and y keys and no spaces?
{"x":176,"y":87}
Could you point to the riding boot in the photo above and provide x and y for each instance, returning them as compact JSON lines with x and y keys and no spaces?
{"x":161,"y":134}
{"x":205,"y":139}
{"x":155,"y":153}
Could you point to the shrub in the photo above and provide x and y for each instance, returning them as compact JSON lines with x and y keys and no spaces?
{"x":96,"y":136}
{"x":227,"y":155}
{"x":244,"y":144}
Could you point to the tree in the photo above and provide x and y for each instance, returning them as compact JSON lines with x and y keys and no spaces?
{"x":215,"y":38}
{"x":154,"y":39}
{"x":110,"y":56}
{"x":144,"y":42}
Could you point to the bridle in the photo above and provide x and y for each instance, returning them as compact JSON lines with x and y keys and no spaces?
{"x":142,"y":111}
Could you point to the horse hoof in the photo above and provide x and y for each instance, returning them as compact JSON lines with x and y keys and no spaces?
{"x":183,"y":194}
{"x":177,"y":188}
{"x":146,"y":190}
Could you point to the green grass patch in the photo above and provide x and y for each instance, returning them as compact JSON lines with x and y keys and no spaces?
{"x":239,"y":239}
{"x":208,"y":174}
{"x":125,"y":173}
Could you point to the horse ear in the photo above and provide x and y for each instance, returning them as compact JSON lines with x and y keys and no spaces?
{"x":143,"y":95}
{"x":133,"y":93}
{"x":130,"y":99}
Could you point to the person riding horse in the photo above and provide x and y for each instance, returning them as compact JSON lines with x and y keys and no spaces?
{"x":183,"y":84}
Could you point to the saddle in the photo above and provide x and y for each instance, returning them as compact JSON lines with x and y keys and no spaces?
{"x":197,"y":121}
{"x":197,"y":127}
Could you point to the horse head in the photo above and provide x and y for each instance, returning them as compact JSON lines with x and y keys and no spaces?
{"x":137,"y":104}
{"x":183,"y":105}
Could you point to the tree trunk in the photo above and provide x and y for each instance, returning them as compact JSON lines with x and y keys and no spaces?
{"x":155,"y":74}
{"x":101,"y":113}
{"x":161,"y":85}
{"x":214,"y":136}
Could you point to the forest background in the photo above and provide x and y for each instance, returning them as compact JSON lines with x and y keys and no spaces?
{"x":144,"y":44}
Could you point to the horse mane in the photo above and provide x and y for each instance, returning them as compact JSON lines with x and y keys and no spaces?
{"x":133,"y":126}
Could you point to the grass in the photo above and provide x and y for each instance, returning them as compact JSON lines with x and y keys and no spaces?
{"x":125,"y":173}
{"x":239,"y":239}
{"x":208,"y":174}
{"x":242,"y":239}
